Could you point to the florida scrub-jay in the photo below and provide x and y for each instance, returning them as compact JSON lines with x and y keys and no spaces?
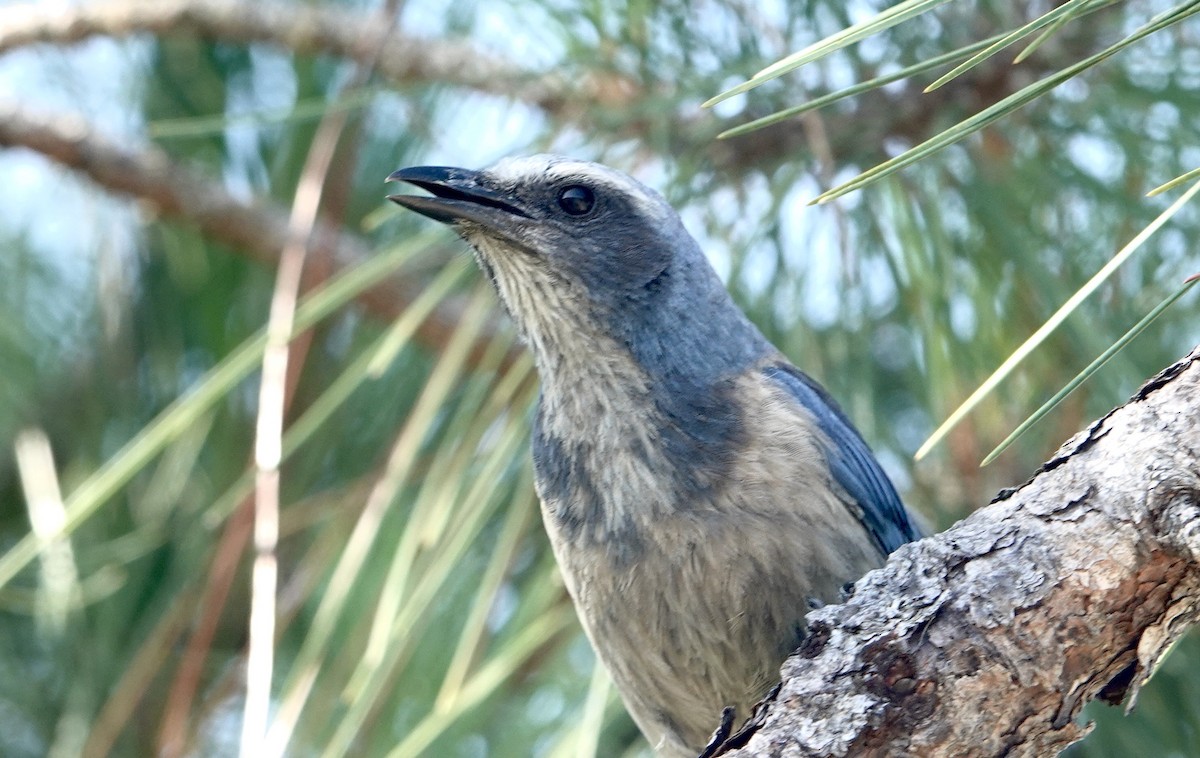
{"x":700,"y":492}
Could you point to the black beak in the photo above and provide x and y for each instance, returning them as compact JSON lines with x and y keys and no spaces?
{"x":459,"y":194}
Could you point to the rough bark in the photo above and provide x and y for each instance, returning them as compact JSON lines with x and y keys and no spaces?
{"x":988,"y":639}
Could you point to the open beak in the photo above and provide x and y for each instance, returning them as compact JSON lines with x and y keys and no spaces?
{"x":459,"y":194}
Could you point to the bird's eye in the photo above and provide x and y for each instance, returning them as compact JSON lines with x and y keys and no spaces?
{"x":576,"y":200}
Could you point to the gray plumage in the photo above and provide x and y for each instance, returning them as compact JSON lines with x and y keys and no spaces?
{"x":699,"y":491}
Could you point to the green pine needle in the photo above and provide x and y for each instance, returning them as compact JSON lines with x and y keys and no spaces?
{"x":896,"y":14}
{"x":877,"y":82}
{"x":1006,"y":106}
{"x":1193,"y":174}
{"x":1065,"y":11}
{"x":1092,"y":368}
{"x":304,"y":110}
{"x":1051,"y":324}
{"x":177,"y":418}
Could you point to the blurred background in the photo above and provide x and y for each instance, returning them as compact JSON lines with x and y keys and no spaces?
{"x":152,"y":153}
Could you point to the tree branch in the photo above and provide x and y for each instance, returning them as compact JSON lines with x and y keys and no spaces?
{"x":258,"y":230}
{"x":988,"y":639}
{"x":302,"y":29}
{"x":857,"y":130}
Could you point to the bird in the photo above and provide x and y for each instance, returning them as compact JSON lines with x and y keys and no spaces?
{"x":701,"y":494}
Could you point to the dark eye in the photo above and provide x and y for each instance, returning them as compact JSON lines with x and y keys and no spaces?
{"x":576,"y":200}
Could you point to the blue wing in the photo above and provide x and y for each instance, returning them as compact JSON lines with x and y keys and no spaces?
{"x":851,"y":462}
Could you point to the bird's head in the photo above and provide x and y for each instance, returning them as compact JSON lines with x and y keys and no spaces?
{"x":582,"y":254}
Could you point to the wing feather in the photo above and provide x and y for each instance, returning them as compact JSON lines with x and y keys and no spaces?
{"x":851,"y":462}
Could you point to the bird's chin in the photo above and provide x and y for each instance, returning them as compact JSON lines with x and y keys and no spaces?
{"x":492,"y":243}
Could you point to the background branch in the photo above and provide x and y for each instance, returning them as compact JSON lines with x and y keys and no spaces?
{"x":304,"y":30}
{"x":257,"y":230}
{"x":858,"y":130}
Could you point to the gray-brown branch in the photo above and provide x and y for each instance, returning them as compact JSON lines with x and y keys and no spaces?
{"x":988,"y":639}
{"x":257,"y":230}
{"x":303,"y":29}
{"x":855,"y":133}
